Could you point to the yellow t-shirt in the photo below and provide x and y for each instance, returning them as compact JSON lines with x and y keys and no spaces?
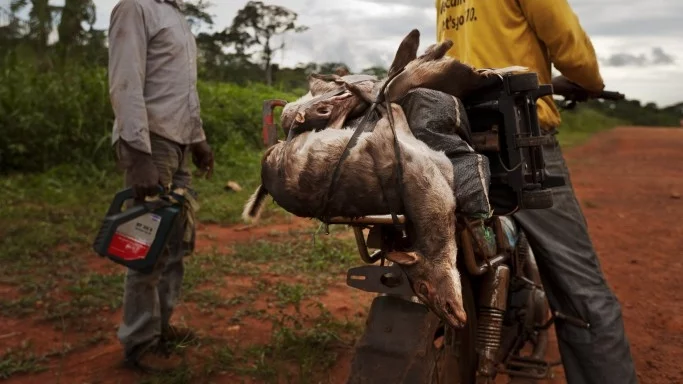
{"x":530,"y":33}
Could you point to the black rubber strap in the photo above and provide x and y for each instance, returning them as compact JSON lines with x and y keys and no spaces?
{"x":354,"y":140}
{"x":347,"y":151}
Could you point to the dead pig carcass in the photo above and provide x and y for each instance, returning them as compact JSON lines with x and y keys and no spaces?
{"x":297,"y":173}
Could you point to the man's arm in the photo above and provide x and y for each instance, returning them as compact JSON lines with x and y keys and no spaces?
{"x":571,"y":50}
{"x":127,"y":63}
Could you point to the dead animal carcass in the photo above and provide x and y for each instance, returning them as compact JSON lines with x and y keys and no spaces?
{"x":298,"y":172}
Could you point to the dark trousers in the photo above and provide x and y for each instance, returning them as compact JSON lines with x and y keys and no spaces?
{"x":149,"y":299}
{"x":576,"y":286}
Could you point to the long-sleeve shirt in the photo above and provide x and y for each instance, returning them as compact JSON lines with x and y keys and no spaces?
{"x":529,"y":33}
{"x":153,"y":74}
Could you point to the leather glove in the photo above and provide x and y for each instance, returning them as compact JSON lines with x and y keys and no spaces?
{"x":143,"y":174}
{"x":202,"y":157}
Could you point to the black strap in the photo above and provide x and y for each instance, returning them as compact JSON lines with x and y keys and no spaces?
{"x":323,"y":216}
{"x":347,"y":151}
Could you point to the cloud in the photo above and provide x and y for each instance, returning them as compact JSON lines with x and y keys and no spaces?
{"x":629,"y":18}
{"x":365,"y":34}
{"x":625,"y":59}
{"x":630,"y":36}
{"x":658,"y":57}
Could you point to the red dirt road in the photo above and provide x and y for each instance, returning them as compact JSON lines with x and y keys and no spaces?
{"x":629,"y":181}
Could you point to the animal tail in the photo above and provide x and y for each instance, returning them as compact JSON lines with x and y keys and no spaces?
{"x":254,"y":206}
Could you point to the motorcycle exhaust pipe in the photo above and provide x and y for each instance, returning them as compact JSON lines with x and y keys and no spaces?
{"x":493,"y":303}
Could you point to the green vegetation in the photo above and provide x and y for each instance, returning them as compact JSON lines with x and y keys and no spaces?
{"x":301,"y":348}
{"x":580,"y":124}
{"x":633,"y":113}
{"x":64,"y":116}
{"x":14,"y":362}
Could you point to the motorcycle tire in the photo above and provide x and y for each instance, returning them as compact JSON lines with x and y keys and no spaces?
{"x":455,"y":357}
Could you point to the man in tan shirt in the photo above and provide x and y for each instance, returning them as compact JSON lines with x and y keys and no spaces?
{"x":152,"y":86}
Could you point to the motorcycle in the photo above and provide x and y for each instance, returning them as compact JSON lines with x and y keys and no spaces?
{"x":508,"y":314}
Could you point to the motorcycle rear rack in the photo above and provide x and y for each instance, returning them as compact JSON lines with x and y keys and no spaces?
{"x":390,"y":280}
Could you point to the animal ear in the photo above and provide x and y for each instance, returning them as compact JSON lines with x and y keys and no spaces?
{"x":446,"y":75}
{"x":318,"y":84}
{"x":404,"y":258}
{"x":436,"y":51}
{"x":407,"y":51}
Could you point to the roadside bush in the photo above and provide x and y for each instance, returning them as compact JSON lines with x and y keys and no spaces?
{"x":63,"y":116}
{"x":233,"y":113}
{"x":53,"y":117}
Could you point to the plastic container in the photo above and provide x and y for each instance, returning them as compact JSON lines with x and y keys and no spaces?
{"x":136,"y":237}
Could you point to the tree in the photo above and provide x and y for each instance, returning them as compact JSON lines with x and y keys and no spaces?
{"x":378,"y":71}
{"x":195,"y":13}
{"x":40,"y":23}
{"x":74,"y":14}
{"x":12,"y":29}
{"x":256,"y":25}
{"x":329,"y":67}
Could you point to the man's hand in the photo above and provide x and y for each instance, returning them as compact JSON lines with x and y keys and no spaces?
{"x":142,"y":173}
{"x":570,"y":90}
{"x":202,"y":157}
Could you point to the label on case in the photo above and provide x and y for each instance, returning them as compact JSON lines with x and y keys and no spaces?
{"x":133,"y":239}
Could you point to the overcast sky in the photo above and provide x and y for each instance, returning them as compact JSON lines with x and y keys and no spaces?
{"x":639,"y":43}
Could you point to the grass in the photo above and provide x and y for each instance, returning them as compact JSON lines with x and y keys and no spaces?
{"x":305,"y":338}
{"x":579,"y":125}
{"x":302,"y":348}
{"x":310,"y":344}
{"x":47,"y":224}
{"x":20,"y":360}
{"x":12,"y":365}
{"x":43,"y":215}
{"x":65,"y":205}
{"x":305,"y":253}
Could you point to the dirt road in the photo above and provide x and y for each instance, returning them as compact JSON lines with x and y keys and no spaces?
{"x":629,"y":181}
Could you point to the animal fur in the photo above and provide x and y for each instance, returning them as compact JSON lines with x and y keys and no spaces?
{"x":297,"y":173}
{"x":254,"y":206}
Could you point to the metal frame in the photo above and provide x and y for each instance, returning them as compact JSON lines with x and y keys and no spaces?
{"x":505,"y":128}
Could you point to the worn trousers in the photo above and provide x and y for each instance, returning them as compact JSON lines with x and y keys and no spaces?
{"x":575,"y":285}
{"x":149,"y":299}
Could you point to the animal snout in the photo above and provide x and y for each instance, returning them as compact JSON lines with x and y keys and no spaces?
{"x":458,"y":313}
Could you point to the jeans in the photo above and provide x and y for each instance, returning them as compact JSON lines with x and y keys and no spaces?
{"x":576,"y":286}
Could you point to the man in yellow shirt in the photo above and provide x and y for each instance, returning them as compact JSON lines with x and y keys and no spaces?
{"x":534,"y":34}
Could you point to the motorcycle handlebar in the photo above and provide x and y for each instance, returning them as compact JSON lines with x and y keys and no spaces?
{"x":574,"y":92}
{"x":611,"y":95}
